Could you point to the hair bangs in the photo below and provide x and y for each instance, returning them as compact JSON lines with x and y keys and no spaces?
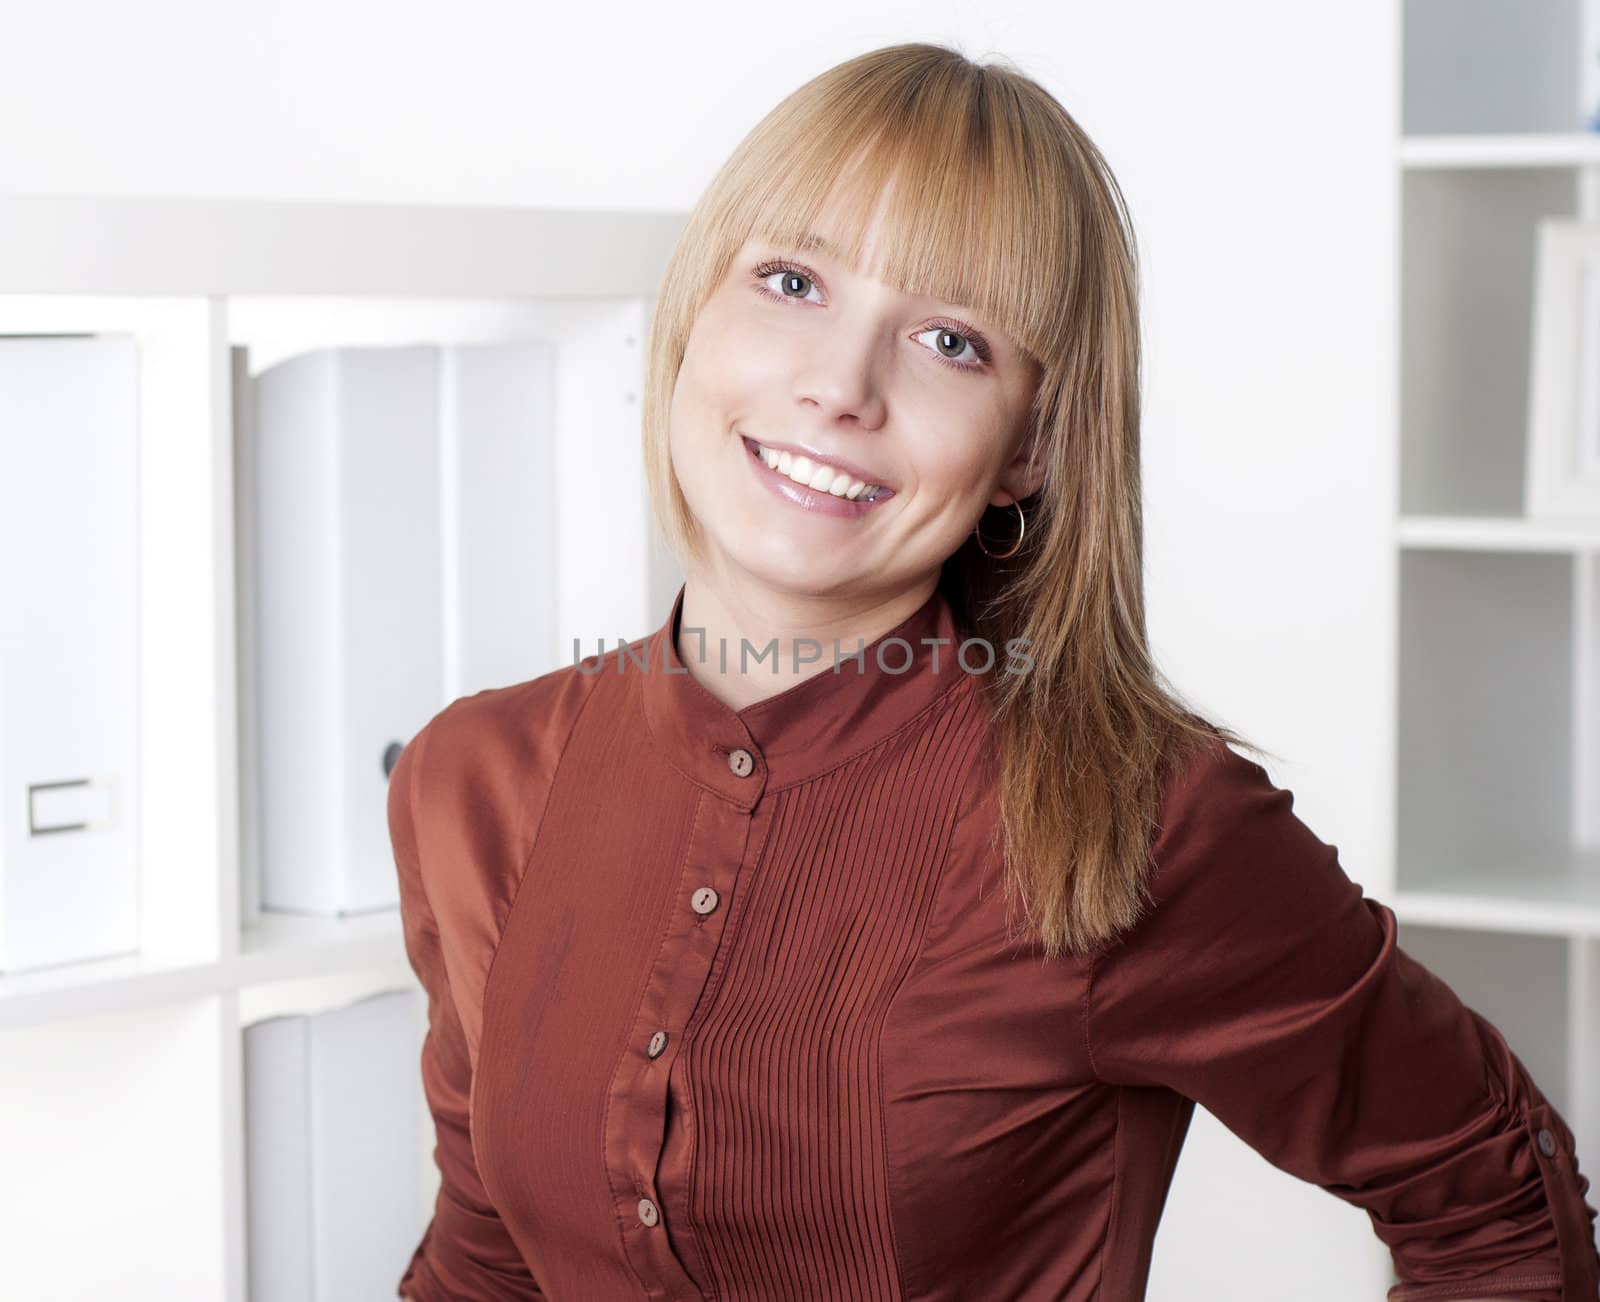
{"x":950,"y":183}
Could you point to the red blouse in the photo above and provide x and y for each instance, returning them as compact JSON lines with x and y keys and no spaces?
{"x":721,"y":1005}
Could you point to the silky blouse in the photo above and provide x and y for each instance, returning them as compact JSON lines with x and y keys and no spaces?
{"x":724,"y":1004}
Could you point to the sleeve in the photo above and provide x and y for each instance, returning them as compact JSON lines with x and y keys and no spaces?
{"x":466,"y":1253}
{"x":1264,"y":986}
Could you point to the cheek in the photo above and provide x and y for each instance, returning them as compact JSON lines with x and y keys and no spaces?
{"x":721,"y":333}
{"x":687,"y":422}
{"x":954,"y":458}
{"x":697,"y":392}
{"x":680,"y":413}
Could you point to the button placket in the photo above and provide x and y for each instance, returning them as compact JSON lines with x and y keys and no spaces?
{"x":636,"y":1119}
{"x":1579,"y":1275}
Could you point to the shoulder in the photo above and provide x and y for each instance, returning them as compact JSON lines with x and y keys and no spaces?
{"x":476,"y":777}
{"x":1210,"y":798}
{"x":1232,"y":862}
{"x":498,"y":739}
{"x":1252,"y":925}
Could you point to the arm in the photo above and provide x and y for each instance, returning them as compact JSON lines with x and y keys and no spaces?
{"x":466,"y":1253}
{"x":1265,"y":987}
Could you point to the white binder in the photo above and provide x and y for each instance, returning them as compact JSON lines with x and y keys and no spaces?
{"x":403,"y":557}
{"x":69,"y":429}
{"x":333,"y":1126}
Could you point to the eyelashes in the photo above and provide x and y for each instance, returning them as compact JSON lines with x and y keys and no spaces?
{"x":764,"y":271}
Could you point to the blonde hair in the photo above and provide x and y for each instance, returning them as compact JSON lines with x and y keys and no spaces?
{"x":1000,"y":202}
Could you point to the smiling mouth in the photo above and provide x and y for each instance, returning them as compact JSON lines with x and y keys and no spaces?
{"x":816,"y":475}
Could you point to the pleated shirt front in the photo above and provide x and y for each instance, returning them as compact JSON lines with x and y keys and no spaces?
{"x":724,"y":1004}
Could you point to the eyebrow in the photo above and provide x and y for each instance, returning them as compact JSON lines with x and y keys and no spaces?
{"x":811,"y":240}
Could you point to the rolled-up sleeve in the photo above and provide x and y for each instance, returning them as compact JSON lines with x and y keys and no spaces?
{"x":466,"y":1253}
{"x":1263,"y":984}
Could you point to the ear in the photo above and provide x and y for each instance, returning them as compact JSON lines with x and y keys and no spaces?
{"x":1023,"y":475}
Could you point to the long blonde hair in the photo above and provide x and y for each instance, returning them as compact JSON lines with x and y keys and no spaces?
{"x":983,"y":158}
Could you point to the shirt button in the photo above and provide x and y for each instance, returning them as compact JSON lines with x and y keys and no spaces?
{"x":703,"y":900}
{"x":647,"y":1212}
{"x":658,"y":1042}
{"x":741,"y":763}
{"x":1547,"y":1143}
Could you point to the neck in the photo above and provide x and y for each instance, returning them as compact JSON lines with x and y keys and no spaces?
{"x":727,"y":632}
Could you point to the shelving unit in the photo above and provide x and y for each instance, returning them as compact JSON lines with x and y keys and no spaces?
{"x":121,"y":1077}
{"x":1497,"y":864}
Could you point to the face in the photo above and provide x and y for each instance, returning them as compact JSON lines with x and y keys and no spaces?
{"x":795,"y":353}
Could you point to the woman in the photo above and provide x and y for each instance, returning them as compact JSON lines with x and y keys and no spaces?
{"x":722,"y":999}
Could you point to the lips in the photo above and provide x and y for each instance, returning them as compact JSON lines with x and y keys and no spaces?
{"x":821,"y":459}
{"x":816,"y":502}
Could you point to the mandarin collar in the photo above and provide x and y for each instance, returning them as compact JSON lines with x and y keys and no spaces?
{"x":800,"y":732}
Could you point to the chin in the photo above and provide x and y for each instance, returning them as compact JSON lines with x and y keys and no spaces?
{"x":783,"y":569}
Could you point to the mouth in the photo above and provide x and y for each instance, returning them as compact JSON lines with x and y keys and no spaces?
{"x":767,"y":466}
{"x":818,"y":476}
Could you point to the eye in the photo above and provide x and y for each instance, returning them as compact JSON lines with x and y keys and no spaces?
{"x":965,"y":341}
{"x":767,"y":270}
{"x":969,"y":340}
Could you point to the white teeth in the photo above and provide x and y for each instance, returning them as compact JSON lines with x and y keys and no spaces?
{"x":803,"y":471}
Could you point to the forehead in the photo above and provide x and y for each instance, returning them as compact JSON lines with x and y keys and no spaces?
{"x":824,"y":232}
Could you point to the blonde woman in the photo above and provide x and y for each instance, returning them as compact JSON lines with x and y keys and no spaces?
{"x":871,"y":929}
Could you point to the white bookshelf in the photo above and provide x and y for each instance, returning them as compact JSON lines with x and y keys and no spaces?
{"x":1526,"y":149}
{"x":1497,"y":839}
{"x":121,"y":1109}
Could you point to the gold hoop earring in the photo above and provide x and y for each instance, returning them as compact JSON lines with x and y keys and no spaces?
{"x":1022,"y":528}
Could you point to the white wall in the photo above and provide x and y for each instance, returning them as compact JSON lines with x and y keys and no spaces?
{"x":1252,"y":139}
